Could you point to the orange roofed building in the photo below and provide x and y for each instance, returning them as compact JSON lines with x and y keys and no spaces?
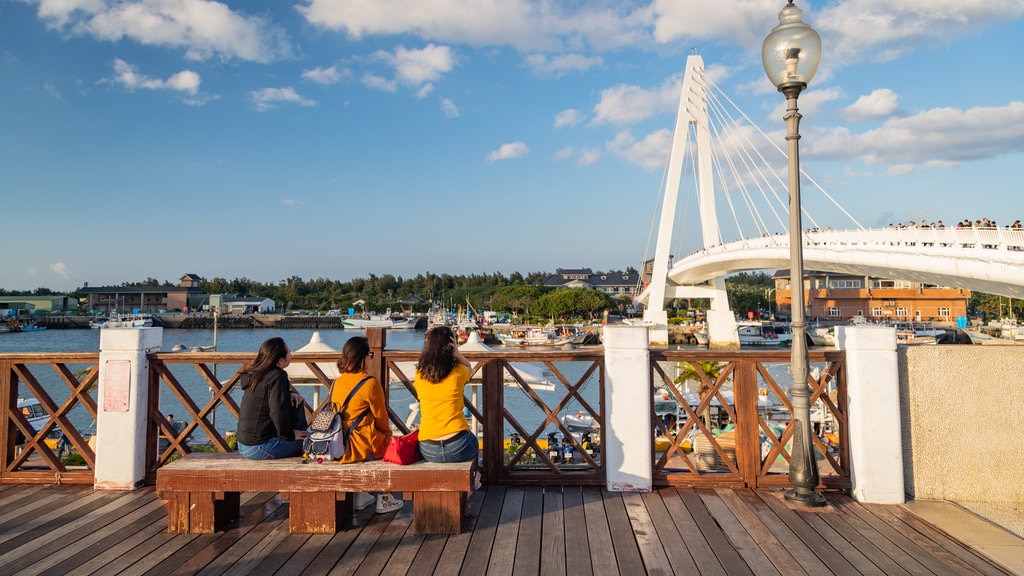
{"x":840,"y":297}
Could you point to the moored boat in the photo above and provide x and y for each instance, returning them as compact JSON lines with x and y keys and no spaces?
{"x":123,"y":321}
{"x":534,"y":337}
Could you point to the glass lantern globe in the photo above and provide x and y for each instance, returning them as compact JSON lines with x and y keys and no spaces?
{"x":792,"y":50}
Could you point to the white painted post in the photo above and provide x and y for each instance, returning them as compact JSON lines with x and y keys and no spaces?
{"x":628,"y":438}
{"x":122,"y":407}
{"x":873,"y":395}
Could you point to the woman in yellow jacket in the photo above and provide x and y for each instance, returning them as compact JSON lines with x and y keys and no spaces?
{"x":369,"y":439}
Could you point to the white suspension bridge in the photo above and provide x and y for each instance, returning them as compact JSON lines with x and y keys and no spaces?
{"x":988,"y":260}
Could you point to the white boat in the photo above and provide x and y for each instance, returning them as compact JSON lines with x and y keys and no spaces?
{"x":386,"y":320}
{"x":123,"y":321}
{"x":1011,"y":330}
{"x":764,"y":334}
{"x":528,"y":336}
{"x":983,"y":339}
{"x":917,"y":333}
{"x":755,"y":334}
{"x":37,"y":418}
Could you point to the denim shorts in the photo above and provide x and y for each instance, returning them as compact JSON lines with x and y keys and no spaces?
{"x":276,"y":447}
{"x":462,"y":447}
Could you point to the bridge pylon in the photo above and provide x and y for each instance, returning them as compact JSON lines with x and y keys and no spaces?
{"x":693,"y":111}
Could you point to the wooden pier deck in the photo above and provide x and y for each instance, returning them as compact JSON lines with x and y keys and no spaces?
{"x":58,"y":530}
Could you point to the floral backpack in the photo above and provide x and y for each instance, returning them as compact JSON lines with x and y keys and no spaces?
{"x":327,"y":438}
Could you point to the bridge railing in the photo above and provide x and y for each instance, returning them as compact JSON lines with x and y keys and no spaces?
{"x":1004,"y":239}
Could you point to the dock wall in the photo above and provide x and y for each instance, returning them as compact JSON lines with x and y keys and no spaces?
{"x":962,"y":412}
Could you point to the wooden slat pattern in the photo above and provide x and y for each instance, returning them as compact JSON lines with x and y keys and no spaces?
{"x":510,"y":530}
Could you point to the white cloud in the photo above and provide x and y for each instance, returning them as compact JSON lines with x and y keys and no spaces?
{"x":510,"y":150}
{"x":561,"y":65}
{"x":269,"y":98}
{"x":650,"y":152}
{"x":627,"y":104}
{"x":810,"y":102}
{"x":589,"y":156}
{"x":939,"y":137}
{"x":883,"y":31}
{"x":424,"y":65}
{"x":584,"y":157}
{"x":60,"y":269}
{"x":568,"y":117}
{"x":564,"y":154}
{"x":418,"y":68}
{"x":879,"y":104}
{"x":379,"y":82}
{"x":449,"y":109}
{"x":289,"y":202}
{"x":744,"y":21}
{"x":325,"y":75}
{"x":903,"y":169}
{"x":527,"y":25}
{"x":127,"y":75}
{"x":202,"y":28}
{"x":51,"y":89}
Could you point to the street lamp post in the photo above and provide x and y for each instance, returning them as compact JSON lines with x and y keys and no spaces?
{"x":790,"y":55}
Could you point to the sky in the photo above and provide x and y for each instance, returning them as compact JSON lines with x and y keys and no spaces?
{"x":340,"y":139}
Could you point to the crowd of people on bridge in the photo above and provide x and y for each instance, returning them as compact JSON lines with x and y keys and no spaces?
{"x":983,"y":224}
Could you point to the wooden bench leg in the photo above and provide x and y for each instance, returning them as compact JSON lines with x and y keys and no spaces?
{"x":318,"y":512}
{"x":438,"y":512}
{"x":200,"y":512}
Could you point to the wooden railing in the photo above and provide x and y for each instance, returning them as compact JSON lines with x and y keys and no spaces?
{"x":742,"y":438}
{"x":511,"y":414}
{"x":63,"y":383}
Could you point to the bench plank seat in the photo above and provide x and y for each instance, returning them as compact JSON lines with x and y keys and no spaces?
{"x":202,"y":490}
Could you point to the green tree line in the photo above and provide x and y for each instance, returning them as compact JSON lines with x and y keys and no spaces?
{"x":520,"y":294}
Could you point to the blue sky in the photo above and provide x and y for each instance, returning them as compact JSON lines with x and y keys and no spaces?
{"x":338,"y":139}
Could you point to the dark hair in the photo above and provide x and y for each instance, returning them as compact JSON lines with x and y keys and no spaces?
{"x":438,"y":356}
{"x":355,"y":350}
{"x":270,"y":353}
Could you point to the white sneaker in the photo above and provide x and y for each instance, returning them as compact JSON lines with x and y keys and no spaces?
{"x":388,"y":503}
{"x":363,"y":499}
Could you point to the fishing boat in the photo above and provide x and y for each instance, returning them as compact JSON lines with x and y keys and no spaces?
{"x":533,"y":337}
{"x":386,"y":320}
{"x":983,"y":339}
{"x":755,"y":334}
{"x":37,"y":418}
{"x":123,"y":321}
{"x":764,"y":334}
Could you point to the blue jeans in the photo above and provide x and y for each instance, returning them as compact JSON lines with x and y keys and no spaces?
{"x":462,"y":447}
{"x":276,"y":447}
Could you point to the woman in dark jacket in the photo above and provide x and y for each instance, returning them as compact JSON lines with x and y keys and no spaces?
{"x":271,"y":420}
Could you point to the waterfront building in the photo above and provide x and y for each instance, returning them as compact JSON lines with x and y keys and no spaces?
{"x":108,"y":299}
{"x":51,"y":303}
{"x":584,"y":278}
{"x":231,"y":304}
{"x":840,"y":297}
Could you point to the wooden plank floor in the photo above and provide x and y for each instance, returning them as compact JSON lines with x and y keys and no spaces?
{"x":58,"y":530}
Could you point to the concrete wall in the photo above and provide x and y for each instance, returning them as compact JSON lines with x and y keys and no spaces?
{"x":962,"y":411}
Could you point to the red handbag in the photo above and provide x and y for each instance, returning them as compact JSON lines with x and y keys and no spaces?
{"x":403,"y":449}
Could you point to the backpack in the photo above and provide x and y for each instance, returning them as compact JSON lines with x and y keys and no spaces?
{"x":327,"y":438}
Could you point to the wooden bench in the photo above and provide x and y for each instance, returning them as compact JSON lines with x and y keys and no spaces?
{"x":202,"y":490}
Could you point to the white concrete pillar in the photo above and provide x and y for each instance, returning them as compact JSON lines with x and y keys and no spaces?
{"x":122,"y":406}
{"x":628,"y":438}
{"x":873,"y":396}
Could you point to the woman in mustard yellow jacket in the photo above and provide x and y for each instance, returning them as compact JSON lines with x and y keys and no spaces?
{"x":369,"y":439}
